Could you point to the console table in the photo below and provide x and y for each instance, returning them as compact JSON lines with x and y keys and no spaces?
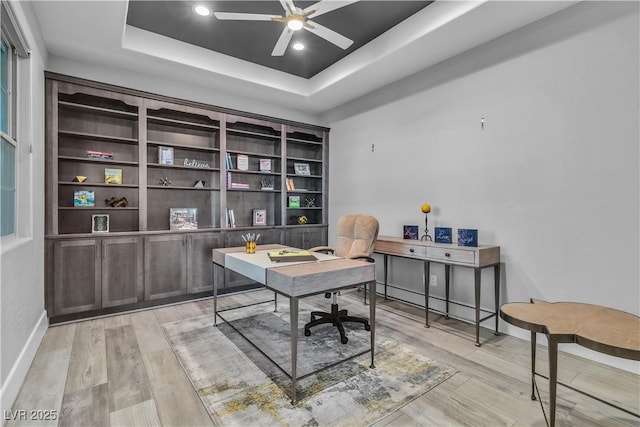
{"x":450,"y":255}
{"x":297,"y":280}
{"x":598,"y":328}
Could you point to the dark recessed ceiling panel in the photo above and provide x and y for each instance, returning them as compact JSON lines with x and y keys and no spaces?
{"x":254,"y":41}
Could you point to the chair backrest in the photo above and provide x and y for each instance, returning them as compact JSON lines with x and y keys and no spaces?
{"x":356,"y":234}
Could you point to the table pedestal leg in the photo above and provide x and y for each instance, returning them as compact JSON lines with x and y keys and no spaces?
{"x":533,"y":365}
{"x":293,"y":318}
{"x":553,"y":378}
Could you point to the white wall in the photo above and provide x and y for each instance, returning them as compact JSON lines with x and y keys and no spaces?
{"x":23,"y":319}
{"x":553,"y":178}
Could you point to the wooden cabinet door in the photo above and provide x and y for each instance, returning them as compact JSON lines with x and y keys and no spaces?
{"x":165,"y":266}
{"x":306,"y":237}
{"x":121,"y":271}
{"x":200,"y":267}
{"x":77,"y":276}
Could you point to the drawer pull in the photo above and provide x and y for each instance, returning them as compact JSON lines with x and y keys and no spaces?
{"x":412,"y":250}
{"x":447,"y":254}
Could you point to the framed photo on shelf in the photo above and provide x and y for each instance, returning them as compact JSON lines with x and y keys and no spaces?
{"x":302,"y":169}
{"x":183,"y":218}
{"x":82,"y":198}
{"x":410,"y":232}
{"x":294,"y":202}
{"x":165,"y":155}
{"x":100,"y":223}
{"x":265,"y":165}
{"x":259,"y":217}
{"x":112,"y":176}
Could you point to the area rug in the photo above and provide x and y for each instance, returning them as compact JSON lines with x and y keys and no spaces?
{"x":240,"y":386}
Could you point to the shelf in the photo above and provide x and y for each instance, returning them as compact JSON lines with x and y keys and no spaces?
{"x":256,"y":155}
{"x":303,"y":191}
{"x":97,"y":208}
{"x":303,"y":159}
{"x":157,"y":165}
{"x":181,"y":187}
{"x":293,"y":175}
{"x":304,"y":141}
{"x":317,"y":208}
{"x":182,"y":147}
{"x":102,"y":184}
{"x":98,"y":110}
{"x":252,"y":172}
{"x":251,"y":133}
{"x":253,"y":190}
{"x":94,"y":160}
{"x":95,"y":137}
{"x":182,"y":123}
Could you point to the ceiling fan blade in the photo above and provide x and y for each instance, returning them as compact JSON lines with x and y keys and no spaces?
{"x":230,"y":16}
{"x":327,"y":6}
{"x":329,"y":35}
{"x":288,"y":5}
{"x":281,"y":46}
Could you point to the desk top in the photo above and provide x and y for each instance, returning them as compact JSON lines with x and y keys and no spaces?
{"x":599,"y":328}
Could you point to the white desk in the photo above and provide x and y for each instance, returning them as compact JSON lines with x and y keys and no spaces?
{"x":297,"y":280}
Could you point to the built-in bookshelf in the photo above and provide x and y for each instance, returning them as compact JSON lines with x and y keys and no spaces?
{"x":123,"y":165}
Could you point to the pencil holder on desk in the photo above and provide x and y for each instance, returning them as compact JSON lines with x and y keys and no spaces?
{"x":250,"y":247}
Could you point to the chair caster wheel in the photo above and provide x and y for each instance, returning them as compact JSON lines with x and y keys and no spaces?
{"x":367,"y":327}
{"x":344,"y":340}
{"x":307,"y":333}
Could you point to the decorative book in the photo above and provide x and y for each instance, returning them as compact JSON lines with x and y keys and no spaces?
{"x":265,"y":165}
{"x":294,"y":201}
{"x":443,"y":235}
{"x":410,"y":232}
{"x":83,"y":198}
{"x":467,"y":237}
{"x":102,"y":155}
{"x":183,"y":219}
{"x":286,"y":255}
{"x":165,"y":155}
{"x":243,"y":162}
{"x":112,"y":176}
{"x":302,"y":169}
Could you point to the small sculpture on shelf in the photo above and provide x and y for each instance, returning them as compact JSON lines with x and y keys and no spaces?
{"x":79,"y":178}
{"x":309,"y":202}
{"x":426,"y":208}
{"x":302,"y":219}
{"x":165,"y":181}
{"x":114,"y":202}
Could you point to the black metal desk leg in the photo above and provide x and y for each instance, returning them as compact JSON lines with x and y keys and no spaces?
{"x":425,"y":280}
{"x":372,"y":320}
{"x":533,"y":365}
{"x":447,"y":282}
{"x":215,"y":295}
{"x":386,"y":268}
{"x":477,"y":275}
{"x":293,"y":318}
{"x":496,"y":280}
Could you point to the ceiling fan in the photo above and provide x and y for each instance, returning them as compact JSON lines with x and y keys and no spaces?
{"x":297,"y":19}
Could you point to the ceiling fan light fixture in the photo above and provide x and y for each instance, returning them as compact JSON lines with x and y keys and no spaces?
{"x":298,"y":46}
{"x":202,"y":10}
{"x":295,"y":24}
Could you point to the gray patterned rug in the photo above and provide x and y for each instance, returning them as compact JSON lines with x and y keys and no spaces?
{"x":240,"y":386}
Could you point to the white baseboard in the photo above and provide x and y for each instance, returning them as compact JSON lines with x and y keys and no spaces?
{"x":11,"y":388}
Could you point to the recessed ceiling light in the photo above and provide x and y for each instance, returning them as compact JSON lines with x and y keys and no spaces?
{"x":202,"y":10}
{"x":298,"y":46}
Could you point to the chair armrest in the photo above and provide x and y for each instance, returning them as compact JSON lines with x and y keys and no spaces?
{"x":323,"y":249}
{"x":362,"y":256}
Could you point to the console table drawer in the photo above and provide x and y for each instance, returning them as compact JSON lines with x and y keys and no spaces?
{"x":401,"y":248}
{"x":452,"y":255}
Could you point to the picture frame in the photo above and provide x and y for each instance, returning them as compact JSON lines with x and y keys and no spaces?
{"x":112,"y":176}
{"x":468,"y":237}
{"x":302,"y":169}
{"x":84,"y":198}
{"x":265,"y":165}
{"x":100,"y":223}
{"x":165,"y":155}
{"x":443,"y":235}
{"x":410,"y":232}
{"x":183,"y":218}
{"x":259,"y":217}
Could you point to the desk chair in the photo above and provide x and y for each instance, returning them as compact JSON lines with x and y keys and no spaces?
{"x":356,"y":237}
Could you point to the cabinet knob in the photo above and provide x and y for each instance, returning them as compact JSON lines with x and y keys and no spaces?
{"x":447,"y":254}
{"x":412,"y":250}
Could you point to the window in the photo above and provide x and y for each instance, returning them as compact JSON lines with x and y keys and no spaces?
{"x":13,"y":49}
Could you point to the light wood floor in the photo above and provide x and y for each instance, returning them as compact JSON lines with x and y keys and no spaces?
{"x":120,"y":370}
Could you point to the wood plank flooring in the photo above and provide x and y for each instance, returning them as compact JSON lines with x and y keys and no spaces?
{"x":121,"y":371}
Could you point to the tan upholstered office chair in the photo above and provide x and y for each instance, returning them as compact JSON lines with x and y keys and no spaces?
{"x":355,"y":238}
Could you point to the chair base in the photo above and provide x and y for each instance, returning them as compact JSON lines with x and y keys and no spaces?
{"x":336,"y":317}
